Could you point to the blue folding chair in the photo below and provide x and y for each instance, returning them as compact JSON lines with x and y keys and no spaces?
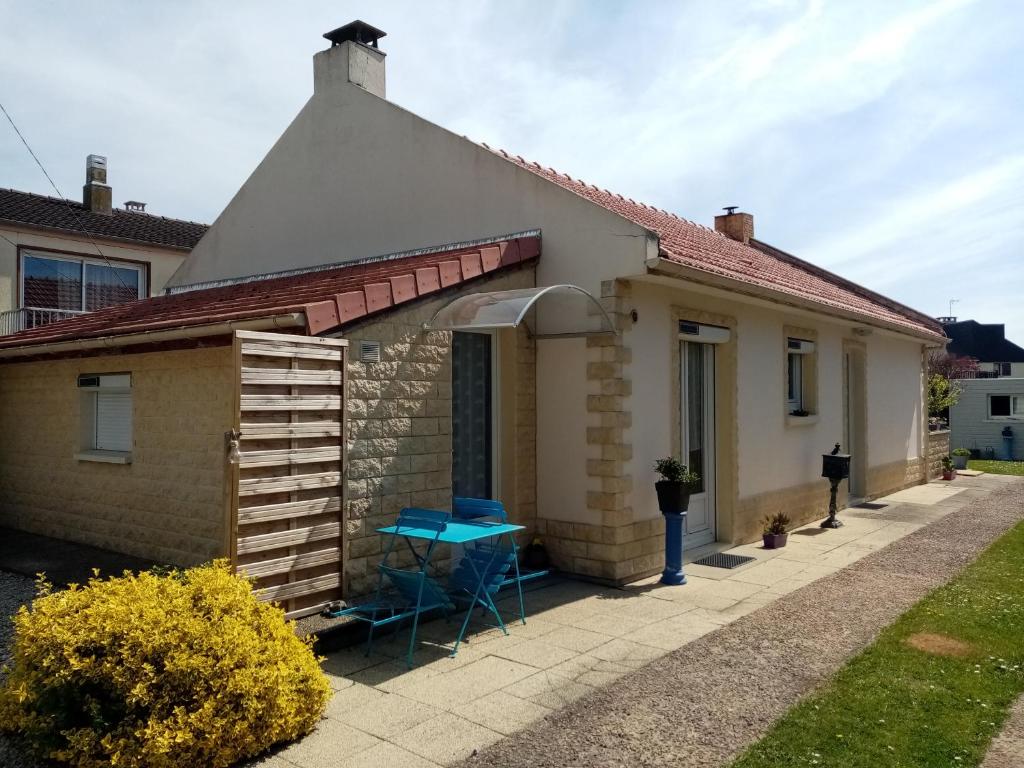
{"x":464,"y":508}
{"x":410,"y":593}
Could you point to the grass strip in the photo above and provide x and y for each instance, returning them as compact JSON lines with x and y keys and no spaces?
{"x":997,"y":467}
{"x":898,"y":706}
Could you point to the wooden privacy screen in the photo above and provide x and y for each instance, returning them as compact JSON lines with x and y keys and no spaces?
{"x":287,"y":499}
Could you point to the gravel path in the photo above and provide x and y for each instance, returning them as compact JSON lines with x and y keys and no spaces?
{"x":1007,"y":750}
{"x":14,"y":591}
{"x":702,"y":704}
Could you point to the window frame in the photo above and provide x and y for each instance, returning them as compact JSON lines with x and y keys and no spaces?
{"x":89,"y":416}
{"x":1016,"y":407}
{"x":800,"y":360}
{"x":25,"y":251}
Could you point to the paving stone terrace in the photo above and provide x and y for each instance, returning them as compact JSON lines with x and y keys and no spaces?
{"x":578,"y":638}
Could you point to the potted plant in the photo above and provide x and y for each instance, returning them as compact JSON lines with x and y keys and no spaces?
{"x":948,"y":473}
{"x":960,"y":457}
{"x":675,"y":485}
{"x":775,"y":534}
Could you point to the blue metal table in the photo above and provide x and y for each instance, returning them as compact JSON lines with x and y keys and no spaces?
{"x":462,"y":532}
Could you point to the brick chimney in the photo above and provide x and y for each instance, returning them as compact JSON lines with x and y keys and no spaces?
{"x":738,"y":226}
{"x":352,"y":58}
{"x":96,"y":195}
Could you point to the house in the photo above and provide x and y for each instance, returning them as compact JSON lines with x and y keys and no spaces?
{"x":388,"y":314}
{"x":60,"y":258}
{"x":988,"y":418}
{"x":986,"y":343}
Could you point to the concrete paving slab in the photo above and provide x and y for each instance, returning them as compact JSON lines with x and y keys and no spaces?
{"x":468,"y":683}
{"x":502,"y":712}
{"x":331,"y":742}
{"x":446,"y":738}
{"x":549,"y":689}
{"x":536,"y":653}
{"x":576,"y":639}
{"x":388,"y":715}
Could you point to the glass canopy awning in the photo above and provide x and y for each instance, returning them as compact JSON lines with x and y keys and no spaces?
{"x":554,"y":312}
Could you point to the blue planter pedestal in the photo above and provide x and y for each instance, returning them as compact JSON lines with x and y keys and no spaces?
{"x":675,"y":526}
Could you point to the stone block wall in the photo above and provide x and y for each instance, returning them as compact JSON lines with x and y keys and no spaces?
{"x":169,"y":503}
{"x":938,"y":446}
{"x":400,"y":423}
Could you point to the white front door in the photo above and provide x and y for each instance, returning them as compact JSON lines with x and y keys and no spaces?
{"x":697,"y":432}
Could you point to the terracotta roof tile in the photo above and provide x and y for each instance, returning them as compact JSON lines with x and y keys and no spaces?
{"x":69,"y":216}
{"x":757,"y":264}
{"x":329,"y":297}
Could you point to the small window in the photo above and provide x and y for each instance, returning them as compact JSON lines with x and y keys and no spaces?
{"x":1003,"y":369}
{"x":1006,"y":406}
{"x":106,"y":412}
{"x":799,"y":377}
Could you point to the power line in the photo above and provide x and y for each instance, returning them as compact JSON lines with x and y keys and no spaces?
{"x":63,"y":199}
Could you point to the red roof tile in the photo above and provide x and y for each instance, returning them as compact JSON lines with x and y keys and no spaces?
{"x":329,"y":297}
{"x":757,"y":264}
{"x":26,"y":208}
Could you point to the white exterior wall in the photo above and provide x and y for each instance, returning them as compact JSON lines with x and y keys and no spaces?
{"x":772,"y":455}
{"x":894,"y":402}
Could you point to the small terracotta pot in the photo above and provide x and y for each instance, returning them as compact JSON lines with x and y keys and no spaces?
{"x":948,"y":474}
{"x":775,"y":540}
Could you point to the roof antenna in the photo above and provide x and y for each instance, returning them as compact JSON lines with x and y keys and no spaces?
{"x":951,"y":303}
{"x":730,"y":209}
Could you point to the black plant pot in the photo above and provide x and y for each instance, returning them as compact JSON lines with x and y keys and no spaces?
{"x":673,"y":497}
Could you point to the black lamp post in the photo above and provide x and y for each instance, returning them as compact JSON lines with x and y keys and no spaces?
{"x":836,"y":467}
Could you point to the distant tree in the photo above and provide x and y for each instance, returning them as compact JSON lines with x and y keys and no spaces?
{"x":949,"y":365}
{"x":942,"y":395}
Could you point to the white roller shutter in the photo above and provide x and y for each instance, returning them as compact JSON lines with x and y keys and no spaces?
{"x":113,"y":421}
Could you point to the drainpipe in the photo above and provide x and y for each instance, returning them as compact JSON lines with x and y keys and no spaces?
{"x":289,"y":320}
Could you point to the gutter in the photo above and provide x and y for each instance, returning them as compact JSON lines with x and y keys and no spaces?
{"x":670,"y":268}
{"x":290,"y":320}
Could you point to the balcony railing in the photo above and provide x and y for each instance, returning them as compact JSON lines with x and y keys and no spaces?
{"x":976,"y":374}
{"x":16,"y":320}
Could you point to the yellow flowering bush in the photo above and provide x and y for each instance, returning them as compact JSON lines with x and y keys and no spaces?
{"x":152,"y":671}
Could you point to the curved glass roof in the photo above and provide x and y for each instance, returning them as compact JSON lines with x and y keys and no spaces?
{"x":557,"y":311}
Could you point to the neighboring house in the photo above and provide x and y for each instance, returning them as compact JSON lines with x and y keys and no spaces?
{"x":355,"y":314}
{"x":986,"y":343}
{"x":60,"y":258}
{"x":988,"y":412}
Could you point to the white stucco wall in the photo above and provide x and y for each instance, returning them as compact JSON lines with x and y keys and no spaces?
{"x":894,"y":381}
{"x":561,"y":454}
{"x":771,"y":454}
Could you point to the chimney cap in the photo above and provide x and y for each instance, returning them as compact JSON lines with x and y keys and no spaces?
{"x":134,"y":205}
{"x":358,"y":32}
{"x":730,"y":209}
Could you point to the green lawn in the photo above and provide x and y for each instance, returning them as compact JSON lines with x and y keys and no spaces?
{"x":896,"y":706}
{"x":997,"y":467}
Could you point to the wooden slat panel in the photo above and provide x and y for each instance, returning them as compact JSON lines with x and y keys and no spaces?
{"x":286,"y":338}
{"x":259,"y":349}
{"x":291,"y":563}
{"x":298,"y":588}
{"x":289,"y":376}
{"x":301,"y":429}
{"x":266,"y":513}
{"x":291,"y":403}
{"x":291,"y":456}
{"x":290,"y":538}
{"x":251,"y":486}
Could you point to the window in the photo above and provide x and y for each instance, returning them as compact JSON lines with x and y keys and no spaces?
{"x":106,"y":418}
{"x":1006,"y":406}
{"x":799,"y":377}
{"x":1003,"y":369}
{"x":78,"y":284}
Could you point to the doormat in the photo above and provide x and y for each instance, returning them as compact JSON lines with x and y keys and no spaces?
{"x":871,"y":505}
{"x":722,"y":560}
{"x":809,"y":532}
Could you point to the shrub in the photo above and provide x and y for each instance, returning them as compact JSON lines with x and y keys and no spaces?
{"x":155,"y":671}
{"x":675,"y":471}
{"x":776,"y":524}
{"x":961,"y":452}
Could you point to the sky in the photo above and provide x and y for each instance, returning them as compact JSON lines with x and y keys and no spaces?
{"x":880,"y":140}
